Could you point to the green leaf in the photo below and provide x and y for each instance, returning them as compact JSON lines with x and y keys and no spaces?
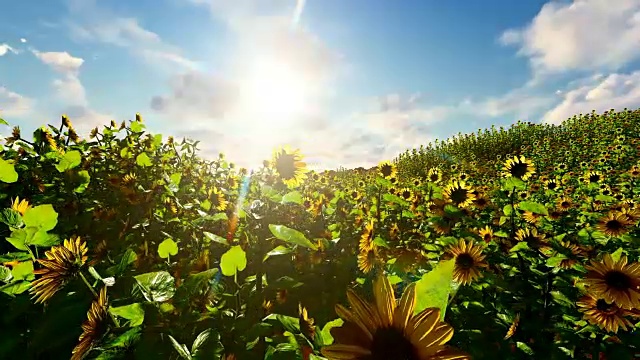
{"x":136,"y":126}
{"x":326,"y":330}
{"x":69,"y":160}
{"x":16,"y":287}
{"x":522,"y":245}
{"x":3,"y":121}
{"x":23,"y":271}
{"x":167,"y":248}
{"x":199,"y":341}
{"x":42,"y":238}
{"x":617,"y":254}
{"x":555,"y":261}
{"x":42,"y":216}
{"x":85,"y":179}
{"x":380,"y":242}
{"x":128,"y":258}
{"x":132,"y":312}
{"x":5,"y":274}
{"x":534,"y":207}
{"x":289,"y":323}
{"x":143,"y":160}
{"x":278,"y":250}
{"x":433,"y":289}
{"x":507,"y":209}
{"x":234,"y":260}
{"x":215,"y":238}
{"x":175,"y":178}
{"x":206,"y":204}
{"x":513,"y":182}
{"x":8,"y":172}
{"x":524,"y":347}
{"x":291,"y":236}
{"x":292,"y":197}
{"x":126,"y":339}
{"x":11,"y":218}
{"x":14,"y":256}
{"x":18,"y":238}
{"x":182,"y":349}
{"x":156,"y":286}
{"x":394,"y":279}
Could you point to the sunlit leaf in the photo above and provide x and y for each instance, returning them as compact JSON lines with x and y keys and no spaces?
{"x":292,"y":197}
{"x":69,"y":160}
{"x":143,"y":160}
{"x":292,"y":236}
{"x":167,"y":248}
{"x":534,"y":207}
{"x":278,"y":250}
{"x":42,"y":216}
{"x":433,"y":289}
{"x":156,"y":286}
{"x":8,"y":172}
{"x":23,"y":271}
{"x":215,"y":238}
{"x":232,"y":261}
{"x":132,"y":312}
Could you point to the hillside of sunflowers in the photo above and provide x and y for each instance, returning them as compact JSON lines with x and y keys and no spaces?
{"x":511,"y":243}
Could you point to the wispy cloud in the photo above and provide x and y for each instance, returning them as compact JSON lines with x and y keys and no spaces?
{"x":5,"y":49}
{"x":14,"y":104}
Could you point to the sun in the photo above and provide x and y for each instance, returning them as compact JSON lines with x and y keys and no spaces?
{"x":274,"y":91}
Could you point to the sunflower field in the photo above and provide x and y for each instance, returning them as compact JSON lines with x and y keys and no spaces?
{"x":516,"y":243}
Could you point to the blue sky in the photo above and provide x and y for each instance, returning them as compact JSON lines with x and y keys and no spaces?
{"x":348,"y":82}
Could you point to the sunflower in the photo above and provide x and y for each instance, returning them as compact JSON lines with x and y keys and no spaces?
{"x":366,"y":240}
{"x":386,"y":330}
{"x":63,"y":263}
{"x":393,"y":180}
{"x":354,"y":194}
{"x":593,"y":177}
{"x":607,"y":316}
{"x":129,"y":179}
{"x":614,"y":224}
{"x":387,"y":170}
{"x":289,"y":166}
{"x":307,"y":327}
{"x":469,"y":259}
{"x":551,"y":184}
{"x":368,"y":259}
{"x":615,"y":281}
{"x":513,"y":327}
{"x":481,"y":201}
{"x":20,"y":206}
{"x":393,"y":190}
{"x":94,"y":327}
{"x":564,"y":203}
{"x":634,"y":171}
{"x":416,"y":182}
{"x":531,"y":217}
{"x":486,"y":234}
{"x":217,"y":199}
{"x":406,"y":194}
{"x":519,"y":167}
{"x":434,"y":175}
{"x":459,"y":193}
{"x":533,"y":239}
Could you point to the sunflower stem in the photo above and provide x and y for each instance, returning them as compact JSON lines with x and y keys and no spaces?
{"x":86,"y":282}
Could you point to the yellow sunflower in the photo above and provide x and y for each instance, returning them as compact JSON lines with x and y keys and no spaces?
{"x":366,"y":240}
{"x":289,"y":166}
{"x":533,"y":239}
{"x":434,"y":175}
{"x":20,"y":206}
{"x":519,"y":167}
{"x":354,"y":194}
{"x":614,"y":224}
{"x":459,"y":193}
{"x":94,"y":327}
{"x":62,"y":264}
{"x":607,"y":316}
{"x":368,"y":259}
{"x":387,"y":170}
{"x":615,"y":281}
{"x":564,"y":203}
{"x":469,"y":260}
{"x":307,"y":324}
{"x":513,"y":327}
{"x":386,"y":330}
{"x":593,"y":177}
{"x":486,"y":234}
{"x":217,"y":199}
{"x":406,"y":194}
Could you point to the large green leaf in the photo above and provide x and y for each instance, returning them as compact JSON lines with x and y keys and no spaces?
{"x":14,"y":256}
{"x":289,"y":323}
{"x":433,"y":289}
{"x":16,"y":287}
{"x":5,"y":274}
{"x":42,"y":216}
{"x":278,"y":250}
{"x":291,"y":236}
{"x":8,"y":172}
{"x":292,"y":197}
{"x":23,"y":271}
{"x":234,"y":260}
{"x":132,"y":312}
{"x":156,"y":286}
{"x":11,"y":218}
{"x":167,"y":248}
{"x":215,"y":238}
{"x":534,"y":207}
{"x":325,"y":334}
{"x":69,"y":160}
{"x":143,"y":160}
{"x":84,"y":179}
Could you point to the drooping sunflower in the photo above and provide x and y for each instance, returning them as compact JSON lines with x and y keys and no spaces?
{"x":459,"y":193}
{"x":468,"y":261}
{"x":307,"y":324}
{"x":386,"y":330}
{"x":94,"y":327}
{"x":614,"y":224}
{"x":615,"y":281}
{"x":289,"y":166}
{"x":387,"y":170}
{"x":607,"y":316}
{"x":513,"y":327}
{"x":20,"y":206}
{"x":434,"y":175}
{"x":519,"y":167}
{"x":216,"y":197}
{"x":366,"y":240}
{"x":62,"y":263}
{"x":368,"y":259}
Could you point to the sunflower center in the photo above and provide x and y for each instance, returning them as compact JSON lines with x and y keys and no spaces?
{"x":433,"y":177}
{"x":551,"y":185}
{"x":464,"y":261}
{"x":594,"y":178}
{"x":614,"y":225}
{"x":617,"y":280}
{"x":604,"y":306}
{"x":459,"y":195}
{"x":390,"y":343}
{"x":285,"y":165}
{"x":519,"y":169}
{"x":386,"y":170}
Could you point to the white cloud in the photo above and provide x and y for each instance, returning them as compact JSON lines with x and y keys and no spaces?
{"x":5,"y":49}
{"x":13,"y":104}
{"x":93,"y":23}
{"x":61,"y":62}
{"x":23,"y":40}
{"x":615,"y":91}
{"x":581,"y":35}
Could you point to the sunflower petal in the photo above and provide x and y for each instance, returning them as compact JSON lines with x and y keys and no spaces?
{"x":385,"y":299}
{"x":362,"y":311}
{"x":344,"y":352}
{"x":404,"y":311}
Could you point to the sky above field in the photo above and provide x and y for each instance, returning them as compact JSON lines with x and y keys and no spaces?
{"x":349,"y":82}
